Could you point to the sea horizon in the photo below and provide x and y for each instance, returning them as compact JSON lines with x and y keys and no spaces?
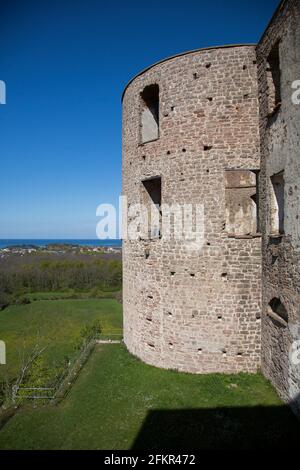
{"x":42,"y":242}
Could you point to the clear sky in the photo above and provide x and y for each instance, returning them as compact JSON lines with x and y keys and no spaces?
{"x":65,"y":64}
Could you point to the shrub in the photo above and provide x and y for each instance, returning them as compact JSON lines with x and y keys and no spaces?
{"x":23,"y":300}
{"x":5,"y":300}
{"x":88,"y":333}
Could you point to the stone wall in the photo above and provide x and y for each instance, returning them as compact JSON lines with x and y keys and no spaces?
{"x":280,"y":154}
{"x":185,"y":308}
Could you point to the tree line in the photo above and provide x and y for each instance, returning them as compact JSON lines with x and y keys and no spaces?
{"x":59,"y":275}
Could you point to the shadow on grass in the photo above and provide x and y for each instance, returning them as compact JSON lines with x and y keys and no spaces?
{"x":219,"y":428}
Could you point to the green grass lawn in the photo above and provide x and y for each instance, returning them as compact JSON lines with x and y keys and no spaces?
{"x":54,"y":323}
{"x":118,"y":402}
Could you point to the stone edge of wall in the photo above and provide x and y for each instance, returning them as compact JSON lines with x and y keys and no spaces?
{"x":181,"y":54}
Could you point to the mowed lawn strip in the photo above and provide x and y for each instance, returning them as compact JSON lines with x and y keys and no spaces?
{"x":56,"y":324}
{"x":118,"y":402}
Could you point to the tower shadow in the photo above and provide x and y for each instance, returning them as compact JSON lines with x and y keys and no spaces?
{"x":220,"y":428}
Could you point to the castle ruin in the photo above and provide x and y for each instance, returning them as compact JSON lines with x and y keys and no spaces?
{"x":218,"y":128}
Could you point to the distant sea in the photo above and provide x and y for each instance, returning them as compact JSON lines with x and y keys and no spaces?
{"x":43,"y":243}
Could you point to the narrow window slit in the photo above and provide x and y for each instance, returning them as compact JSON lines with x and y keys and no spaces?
{"x":277,"y":203}
{"x":151,"y":200}
{"x":150,"y":113}
{"x":274,"y":79}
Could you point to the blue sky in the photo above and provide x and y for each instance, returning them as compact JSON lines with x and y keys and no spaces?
{"x":65,"y":64}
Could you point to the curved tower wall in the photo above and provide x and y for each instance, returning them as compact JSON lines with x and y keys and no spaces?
{"x":184,"y":308}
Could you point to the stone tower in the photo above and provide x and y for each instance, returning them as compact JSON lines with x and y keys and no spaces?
{"x":191,"y":137}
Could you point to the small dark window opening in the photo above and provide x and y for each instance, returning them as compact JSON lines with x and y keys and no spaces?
{"x":277,"y":309}
{"x":274,"y":79}
{"x":150,"y":113}
{"x":151,"y":200}
{"x":277,"y":203}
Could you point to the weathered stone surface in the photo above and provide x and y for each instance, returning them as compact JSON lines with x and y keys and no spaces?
{"x":280,"y":152}
{"x":197,"y":312}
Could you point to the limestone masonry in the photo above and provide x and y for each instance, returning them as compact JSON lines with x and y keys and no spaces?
{"x":217,"y":129}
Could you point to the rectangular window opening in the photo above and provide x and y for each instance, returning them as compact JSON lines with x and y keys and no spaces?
{"x":151,"y":201}
{"x":277,"y":203}
{"x":274,"y":79}
{"x":241,"y":201}
{"x":149,"y":113}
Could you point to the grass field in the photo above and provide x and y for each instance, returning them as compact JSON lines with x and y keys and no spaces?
{"x":56,"y":324}
{"x":118,"y":402}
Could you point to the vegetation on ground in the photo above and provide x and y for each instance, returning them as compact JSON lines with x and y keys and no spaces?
{"x":73,"y":274}
{"x":57,"y":326}
{"x":119,"y":402}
